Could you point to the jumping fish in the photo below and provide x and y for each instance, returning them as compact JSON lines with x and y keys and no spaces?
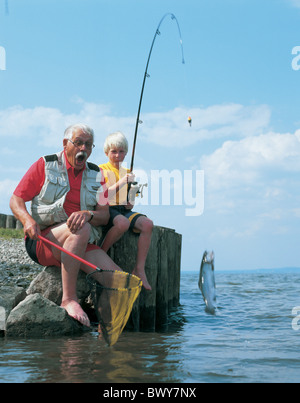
{"x":207,"y":283}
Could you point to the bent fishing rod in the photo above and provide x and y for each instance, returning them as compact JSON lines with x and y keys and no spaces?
{"x":146,"y":75}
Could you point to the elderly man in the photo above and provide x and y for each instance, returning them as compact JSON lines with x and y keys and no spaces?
{"x":67,"y":206}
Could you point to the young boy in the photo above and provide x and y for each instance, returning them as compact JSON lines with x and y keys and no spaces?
{"x":121,"y":215}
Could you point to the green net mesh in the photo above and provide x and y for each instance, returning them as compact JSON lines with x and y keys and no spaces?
{"x":113,"y":294}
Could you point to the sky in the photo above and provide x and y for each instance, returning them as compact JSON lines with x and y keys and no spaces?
{"x":230,"y":181}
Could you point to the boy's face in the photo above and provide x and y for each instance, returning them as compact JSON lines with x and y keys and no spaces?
{"x":116,"y":155}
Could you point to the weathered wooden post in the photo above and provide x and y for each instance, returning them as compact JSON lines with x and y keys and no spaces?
{"x":152,"y":308}
{"x":11,"y":222}
{"x":2,"y":221}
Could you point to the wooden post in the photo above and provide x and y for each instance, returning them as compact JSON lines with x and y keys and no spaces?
{"x":162,"y":288}
{"x":2,"y":221}
{"x":10,"y":222}
{"x":152,"y":308}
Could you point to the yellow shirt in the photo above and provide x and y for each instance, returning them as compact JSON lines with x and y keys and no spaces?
{"x":112,"y":175}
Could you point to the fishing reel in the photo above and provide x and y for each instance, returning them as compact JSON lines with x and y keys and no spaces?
{"x":135,"y":190}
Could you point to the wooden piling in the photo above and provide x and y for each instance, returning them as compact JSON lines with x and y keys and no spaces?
{"x":9,"y":221}
{"x":152,"y":308}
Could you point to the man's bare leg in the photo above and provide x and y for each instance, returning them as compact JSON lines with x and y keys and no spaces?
{"x":75,"y":243}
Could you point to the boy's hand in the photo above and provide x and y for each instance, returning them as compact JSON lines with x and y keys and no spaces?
{"x":130,"y":177}
{"x":129,"y":206}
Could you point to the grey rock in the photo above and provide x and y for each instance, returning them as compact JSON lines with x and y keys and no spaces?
{"x":49,"y":284}
{"x":10,"y":296}
{"x":36,"y":316}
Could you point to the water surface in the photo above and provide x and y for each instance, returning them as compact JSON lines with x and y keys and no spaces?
{"x":250,"y":339}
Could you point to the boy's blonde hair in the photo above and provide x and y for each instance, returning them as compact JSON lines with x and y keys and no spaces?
{"x":116,"y":139}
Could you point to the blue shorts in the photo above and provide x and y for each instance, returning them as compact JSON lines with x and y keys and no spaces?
{"x":114,"y":211}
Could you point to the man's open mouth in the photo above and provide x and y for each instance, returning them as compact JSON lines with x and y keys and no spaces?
{"x":81,"y":157}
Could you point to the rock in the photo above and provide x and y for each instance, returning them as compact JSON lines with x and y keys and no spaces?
{"x":36,"y":316}
{"x":10,"y":296}
{"x":49,"y":284}
{"x":16,"y":267}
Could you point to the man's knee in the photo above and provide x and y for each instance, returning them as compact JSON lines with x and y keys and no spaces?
{"x":84,"y":232}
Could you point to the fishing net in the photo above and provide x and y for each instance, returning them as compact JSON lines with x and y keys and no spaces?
{"x":113,"y":294}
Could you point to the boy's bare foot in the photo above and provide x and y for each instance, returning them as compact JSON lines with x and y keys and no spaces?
{"x":75,"y":311}
{"x":142,"y":275}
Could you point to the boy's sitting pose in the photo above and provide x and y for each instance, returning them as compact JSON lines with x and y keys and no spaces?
{"x":121,"y":215}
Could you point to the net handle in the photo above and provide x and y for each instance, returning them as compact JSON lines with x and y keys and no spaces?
{"x":69,"y":253}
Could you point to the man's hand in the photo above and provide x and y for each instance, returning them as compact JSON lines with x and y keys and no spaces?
{"x":32,"y":229}
{"x":77,"y":219}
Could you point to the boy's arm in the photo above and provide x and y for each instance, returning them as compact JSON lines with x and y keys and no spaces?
{"x":116,"y":187}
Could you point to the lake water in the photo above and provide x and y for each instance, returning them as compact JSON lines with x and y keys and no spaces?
{"x":254,"y":337}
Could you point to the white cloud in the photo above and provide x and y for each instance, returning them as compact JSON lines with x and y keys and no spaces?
{"x":295,"y":3}
{"x":46,"y":125}
{"x":171,"y":129}
{"x":244,"y":162}
{"x":7,"y":187}
{"x":252,"y":184}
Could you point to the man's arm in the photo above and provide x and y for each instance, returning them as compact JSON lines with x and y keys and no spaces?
{"x":18,"y":207}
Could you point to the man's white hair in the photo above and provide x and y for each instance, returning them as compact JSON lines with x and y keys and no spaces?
{"x":85,"y":128}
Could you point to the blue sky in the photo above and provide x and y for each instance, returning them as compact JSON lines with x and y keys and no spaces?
{"x":74,"y":61}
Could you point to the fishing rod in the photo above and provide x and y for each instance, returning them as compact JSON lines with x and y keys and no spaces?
{"x":146,"y":75}
{"x":84,"y":261}
{"x":69,"y":253}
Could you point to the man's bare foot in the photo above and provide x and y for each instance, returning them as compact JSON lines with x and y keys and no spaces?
{"x":142,"y":275}
{"x":75,"y":311}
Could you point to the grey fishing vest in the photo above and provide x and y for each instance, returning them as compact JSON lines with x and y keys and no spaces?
{"x":47,"y":207}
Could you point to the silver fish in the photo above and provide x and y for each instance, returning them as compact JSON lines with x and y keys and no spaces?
{"x":207,"y":283}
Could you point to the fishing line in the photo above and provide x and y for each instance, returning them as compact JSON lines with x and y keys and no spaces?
{"x":146,"y":75}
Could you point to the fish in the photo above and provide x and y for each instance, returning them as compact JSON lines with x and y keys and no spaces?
{"x":207,"y":282}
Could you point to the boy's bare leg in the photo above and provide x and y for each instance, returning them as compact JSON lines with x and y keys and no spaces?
{"x":121,"y":225}
{"x":145,"y":226}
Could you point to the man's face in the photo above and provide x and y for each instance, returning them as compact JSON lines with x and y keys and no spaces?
{"x":78,"y":153}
